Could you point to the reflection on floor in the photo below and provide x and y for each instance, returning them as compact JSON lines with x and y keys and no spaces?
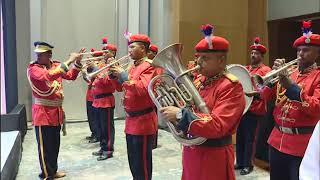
{"x":76,"y":160}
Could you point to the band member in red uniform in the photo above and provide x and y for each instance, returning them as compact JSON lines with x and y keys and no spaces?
{"x":141,"y":119}
{"x":247,"y":130}
{"x":297,"y":108}
{"x":153,"y":51}
{"x":224,"y":97}
{"x":104,"y":102}
{"x":93,"y":122}
{"x":45,"y":77}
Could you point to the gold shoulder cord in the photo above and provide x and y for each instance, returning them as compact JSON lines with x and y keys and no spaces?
{"x":280,"y":95}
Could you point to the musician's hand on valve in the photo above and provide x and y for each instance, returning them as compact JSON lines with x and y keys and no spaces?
{"x":75,"y":56}
{"x":109,"y":59}
{"x":283,"y":73}
{"x":77,"y":62}
{"x":79,"y":56}
{"x":116,"y":70}
{"x":284,"y":79}
{"x":82,"y":50}
{"x":72,"y":58}
{"x":278,"y":63}
{"x":170,"y":113}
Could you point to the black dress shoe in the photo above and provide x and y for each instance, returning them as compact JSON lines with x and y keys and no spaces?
{"x":93,"y":140}
{"x":237,"y":167}
{"x":42,"y":176}
{"x":105,"y":155}
{"x":246,"y":170}
{"x":97,"y":153}
{"x":89,"y":137}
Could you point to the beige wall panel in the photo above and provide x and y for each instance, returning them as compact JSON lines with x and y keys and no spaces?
{"x":230,"y":19}
{"x":257,"y":25}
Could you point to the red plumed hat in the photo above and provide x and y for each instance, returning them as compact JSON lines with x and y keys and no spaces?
{"x":211,"y":43}
{"x":257,"y":46}
{"x":307,"y":38}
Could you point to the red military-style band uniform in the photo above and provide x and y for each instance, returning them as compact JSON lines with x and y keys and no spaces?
{"x":102,"y":84}
{"x":141,"y":119}
{"x":258,"y":106}
{"x":104,"y":102}
{"x":292,"y":113}
{"x":44,"y":79}
{"x":249,"y":123}
{"x":224,"y":98}
{"x":136,"y":98}
{"x":89,"y":93}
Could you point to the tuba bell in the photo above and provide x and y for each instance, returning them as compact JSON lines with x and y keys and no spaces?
{"x":175,"y":89}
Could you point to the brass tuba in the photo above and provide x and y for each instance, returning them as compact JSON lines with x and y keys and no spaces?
{"x":175,"y":89}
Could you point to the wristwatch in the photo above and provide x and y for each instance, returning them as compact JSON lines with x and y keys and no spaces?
{"x":179,"y":114}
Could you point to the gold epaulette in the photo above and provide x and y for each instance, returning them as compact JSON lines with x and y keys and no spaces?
{"x":231,"y":77}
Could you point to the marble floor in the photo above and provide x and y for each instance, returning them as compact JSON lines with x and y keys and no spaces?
{"x":76,"y":160}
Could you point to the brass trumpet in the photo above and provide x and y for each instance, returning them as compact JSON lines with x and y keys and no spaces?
{"x":272,"y":77}
{"x":89,"y":53}
{"x":112,"y":63}
{"x":92,"y":59}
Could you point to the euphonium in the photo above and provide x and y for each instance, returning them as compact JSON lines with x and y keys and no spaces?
{"x":175,"y":89}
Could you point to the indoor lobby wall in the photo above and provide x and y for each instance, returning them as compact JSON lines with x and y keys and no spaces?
{"x":237,"y":21}
{"x":69,"y":26}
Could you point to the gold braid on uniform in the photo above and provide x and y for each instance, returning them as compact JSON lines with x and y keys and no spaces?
{"x":281,"y":97}
{"x":209,"y":80}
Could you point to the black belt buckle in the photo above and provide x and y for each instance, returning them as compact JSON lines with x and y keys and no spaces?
{"x":288,"y":130}
{"x":297,"y":130}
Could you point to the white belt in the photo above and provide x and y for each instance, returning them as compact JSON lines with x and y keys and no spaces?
{"x":47,"y":102}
